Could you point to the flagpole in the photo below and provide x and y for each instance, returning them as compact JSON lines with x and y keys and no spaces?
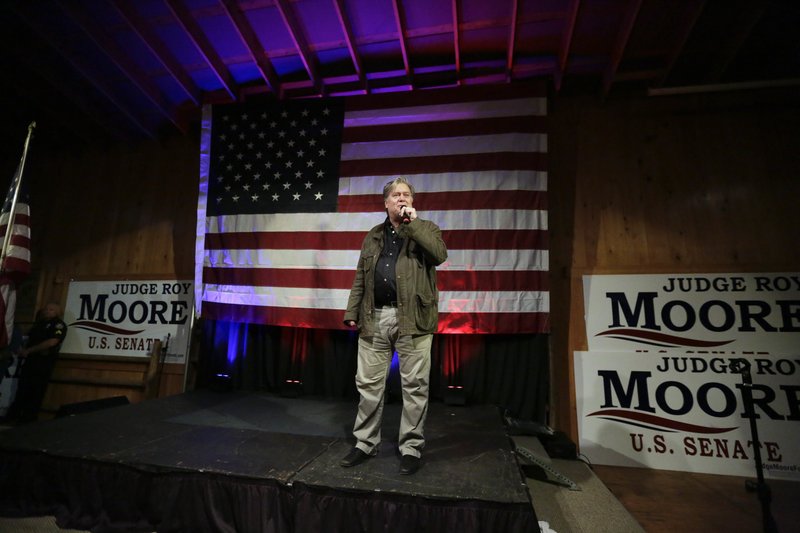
{"x":13,"y":207}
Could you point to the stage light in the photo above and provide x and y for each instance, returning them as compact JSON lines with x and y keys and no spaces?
{"x":221,"y":383}
{"x":455,"y":395}
{"x":291,"y":388}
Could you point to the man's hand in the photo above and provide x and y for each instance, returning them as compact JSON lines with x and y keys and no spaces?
{"x":408,"y":212}
{"x":350,"y":323}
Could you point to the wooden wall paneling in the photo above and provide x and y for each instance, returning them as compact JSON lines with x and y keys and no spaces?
{"x":563,"y":163}
{"x":175,"y":207}
{"x":659,"y":170}
{"x":96,"y":226}
{"x":125,"y":212}
{"x":707,"y":188}
{"x":171,"y":379}
{"x":132,"y":200}
{"x":116,"y":207}
{"x":62,"y":391}
{"x":52,"y":211}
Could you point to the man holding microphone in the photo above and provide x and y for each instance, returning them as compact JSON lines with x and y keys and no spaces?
{"x":394,"y":303}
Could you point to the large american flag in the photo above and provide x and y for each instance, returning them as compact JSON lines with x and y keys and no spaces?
{"x":16,"y":261}
{"x":289,"y":189}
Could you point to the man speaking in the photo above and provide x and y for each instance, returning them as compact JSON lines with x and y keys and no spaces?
{"x":394,"y":303}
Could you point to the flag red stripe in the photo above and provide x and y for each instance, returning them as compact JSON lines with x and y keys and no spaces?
{"x":280,"y":277}
{"x":504,"y":239}
{"x":447,"y":280}
{"x":445,"y":163}
{"x":20,"y":219}
{"x":453,"y":200}
{"x":496,"y":323}
{"x":492,"y":280}
{"x":452,"y":128}
{"x":351,"y":240}
{"x":285,"y":240}
{"x":19,"y":240}
{"x":16,"y":268}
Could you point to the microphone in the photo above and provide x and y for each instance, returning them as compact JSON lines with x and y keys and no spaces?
{"x":404,"y":216}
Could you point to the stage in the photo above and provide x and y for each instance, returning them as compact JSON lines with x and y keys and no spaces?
{"x":237,"y":461}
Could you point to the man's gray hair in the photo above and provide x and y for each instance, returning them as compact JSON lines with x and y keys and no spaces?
{"x":389,"y":187}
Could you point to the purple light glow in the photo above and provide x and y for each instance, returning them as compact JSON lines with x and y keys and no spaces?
{"x":233,"y":342}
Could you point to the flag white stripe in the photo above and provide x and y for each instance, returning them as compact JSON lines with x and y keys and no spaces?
{"x":491,"y":260}
{"x":494,"y":301}
{"x":480,"y":219}
{"x":277,"y":296}
{"x":468,"y":144}
{"x":20,"y":209}
{"x":489,"y":219}
{"x":18,"y":230}
{"x":445,"y":112}
{"x":449,"y":301}
{"x":19,"y":252}
{"x":496,"y":180}
{"x":9,"y":295}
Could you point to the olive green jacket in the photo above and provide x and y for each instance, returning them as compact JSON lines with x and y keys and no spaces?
{"x":417,"y":294}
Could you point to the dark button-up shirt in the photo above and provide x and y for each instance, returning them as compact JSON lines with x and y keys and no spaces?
{"x":385,"y":278}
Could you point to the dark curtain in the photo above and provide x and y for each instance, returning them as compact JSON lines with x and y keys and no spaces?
{"x":510,"y":371}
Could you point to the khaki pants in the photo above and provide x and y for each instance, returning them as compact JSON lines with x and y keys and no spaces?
{"x":374,"y":359}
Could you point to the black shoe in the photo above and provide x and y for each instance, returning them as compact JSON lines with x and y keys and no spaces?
{"x":355,"y":457}
{"x":409,"y":464}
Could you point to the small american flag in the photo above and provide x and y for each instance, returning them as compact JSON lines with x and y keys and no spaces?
{"x":16,"y":264}
{"x":289,"y":189}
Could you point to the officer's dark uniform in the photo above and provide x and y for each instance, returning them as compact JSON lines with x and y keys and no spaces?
{"x":37,"y":369}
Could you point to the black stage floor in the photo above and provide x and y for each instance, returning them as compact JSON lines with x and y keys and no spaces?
{"x":210,"y":461}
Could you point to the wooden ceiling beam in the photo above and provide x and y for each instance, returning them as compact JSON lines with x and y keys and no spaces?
{"x":203,"y":46}
{"x":441,"y":29}
{"x":350,"y":42}
{"x":158,"y":49}
{"x":730,"y":47}
{"x":106,"y":44}
{"x":512,"y":38}
{"x":254,"y":47}
{"x":86,"y":72}
{"x":620,"y":43}
{"x":52,"y":117}
{"x":457,"y":39}
{"x":45,"y":81}
{"x":300,"y":42}
{"x":680,"y":42}
{"x":566,"y":43}
{"x":401,"y":35}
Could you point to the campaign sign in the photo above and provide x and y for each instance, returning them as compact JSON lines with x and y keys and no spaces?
{"x":721,"y":313}
{"x":689,"y":412}
{"x":124,"y":318}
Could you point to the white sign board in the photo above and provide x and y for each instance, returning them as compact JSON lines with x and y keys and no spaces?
{"x":712,"y":313}
{"x":123,"y":318}
{"x":686,"y":412}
